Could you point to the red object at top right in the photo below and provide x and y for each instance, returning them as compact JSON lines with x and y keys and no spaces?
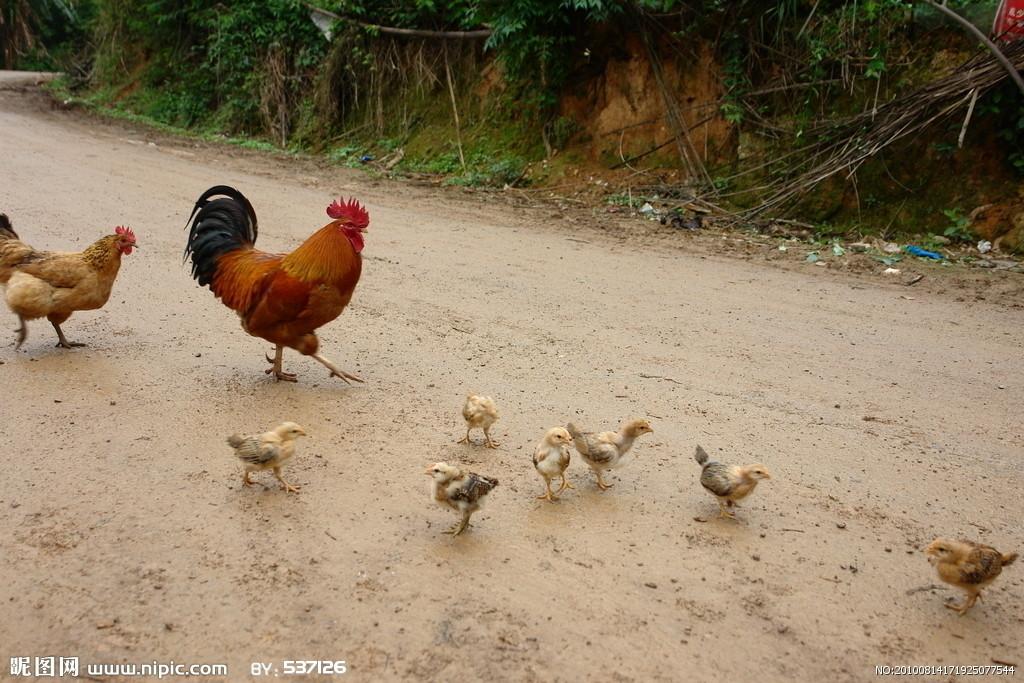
{"x":1009,"y":23}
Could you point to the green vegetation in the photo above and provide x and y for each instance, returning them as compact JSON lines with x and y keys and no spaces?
{"x":262,"y":74}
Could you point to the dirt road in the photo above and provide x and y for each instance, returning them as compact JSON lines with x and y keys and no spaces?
{"x":126,"y":536}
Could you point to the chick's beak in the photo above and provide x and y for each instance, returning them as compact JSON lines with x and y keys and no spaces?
{"x":428,"y":471}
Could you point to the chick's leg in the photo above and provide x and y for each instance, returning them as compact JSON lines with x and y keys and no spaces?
{"x":22,"y":333}
{"x":600,"y":481}
{"x":287,"y":487}
{"x":64,"y":343}
{"x":465,"y":439}
{"x":967,"y":604}
{"x":490,"y":443}
{"x":723,"y":510}
{"x":278,"y":373}
{"x":335,"y":372}
{"x":565,"y":485}
{"x":461,"y":526}
{"x":549,"y":495}
{"x":246,"y":481}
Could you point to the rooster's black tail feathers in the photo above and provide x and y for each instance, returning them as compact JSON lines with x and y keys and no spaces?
{"x":222,"y":221}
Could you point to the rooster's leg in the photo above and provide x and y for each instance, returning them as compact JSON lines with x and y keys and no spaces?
{"x":335,"y":372}
{"x":287,"y":487}
{"x":22,"y":333}
{"x":64,"y":343}
{"x":278,"y":373}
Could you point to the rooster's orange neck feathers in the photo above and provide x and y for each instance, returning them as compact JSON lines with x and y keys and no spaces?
{"x":327,"y":256}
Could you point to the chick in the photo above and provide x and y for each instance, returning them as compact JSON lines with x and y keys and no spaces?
{"x":967,"y":565}
{"x":462,"y":491}
{"x":551,"y":458}
{"x":729,"y":483}
{"x":604,"y":450}
{"x":480,"y":413}
{"x":267,"y":451}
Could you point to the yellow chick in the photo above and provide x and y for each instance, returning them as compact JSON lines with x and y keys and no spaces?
{"x":480,"y":413}
{"x":967,"y":565}
{"x":728,"y":483}
{"x":551,"y":458}
{"x":459,"y":490}
{"x":604,"y":450}
{"x":267,"y":451}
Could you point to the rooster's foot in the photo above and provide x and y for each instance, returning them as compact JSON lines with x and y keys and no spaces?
{"x":281,"y":375}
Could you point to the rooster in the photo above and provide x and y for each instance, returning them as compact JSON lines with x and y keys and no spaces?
{"x":283,"y":298}
{"x":55,"y":284}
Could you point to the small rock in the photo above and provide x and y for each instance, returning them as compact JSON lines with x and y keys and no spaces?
{"x":755,"y":558}
{"x":891,"y":271}
{"x":650,"y":584}
{"x":841,"y":525}
{"x":199,"y":355}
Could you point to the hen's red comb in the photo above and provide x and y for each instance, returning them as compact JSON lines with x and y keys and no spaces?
{"x":125,"y":230}
{"x":351,"y":211}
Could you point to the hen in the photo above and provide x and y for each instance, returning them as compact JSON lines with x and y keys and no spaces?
{"x":728,"y":483}
{"x":283,"y":298}
{"x":268,"y":451}
{"x":551,"y":459}
{"x":969,"y":566}
{"x":604,"y":450}
{"x":459,"y":490}
{"x":55,"y":284}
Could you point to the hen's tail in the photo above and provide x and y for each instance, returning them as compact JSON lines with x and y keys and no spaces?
{"x":222,"y":221}
{"x":1009,"y":559}
{"x":6,"y":229}
{"x":701,"y":456}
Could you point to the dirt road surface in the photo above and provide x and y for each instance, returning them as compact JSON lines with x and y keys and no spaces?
{"x":126,"y":536}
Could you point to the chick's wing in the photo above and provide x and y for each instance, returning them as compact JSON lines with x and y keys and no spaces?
{"x":718,"y":479}
{"x":256,"y":451}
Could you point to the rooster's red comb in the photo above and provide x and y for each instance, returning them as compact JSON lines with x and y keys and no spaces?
{"x":351,"y":211}
{"x":125,"y":230}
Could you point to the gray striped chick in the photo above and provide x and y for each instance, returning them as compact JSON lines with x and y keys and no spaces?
{"x":604,"y":450}
{"x":459,"y":490}
{"x":480,"y":413}
{"x":551,"y":459}
{"x":267,"y":451}
{"x":728,"y":483}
